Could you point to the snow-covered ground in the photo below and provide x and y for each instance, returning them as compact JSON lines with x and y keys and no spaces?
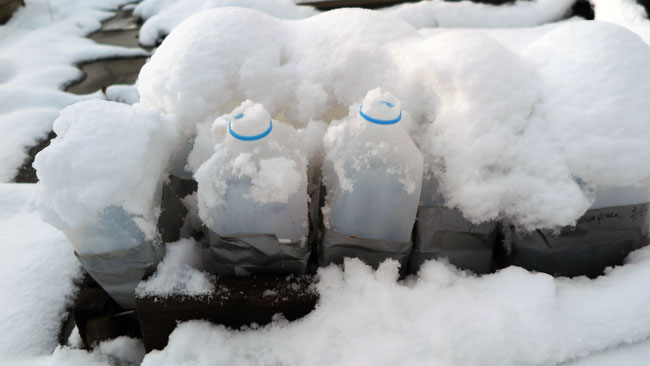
{"x":40,"y":46}
{"x":443,"y":317}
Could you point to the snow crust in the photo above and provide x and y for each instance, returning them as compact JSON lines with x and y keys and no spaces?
{"x":106,"y":154}
{"x":40,"y":45}
{"x":509,"y":132}
{"x":179,"y":273}
{"x":444,"y":317}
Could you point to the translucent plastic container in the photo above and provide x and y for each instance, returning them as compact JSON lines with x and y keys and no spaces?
{"x":256,"y":182}
{"x":372,"y":172}
{"x":113,"y":229}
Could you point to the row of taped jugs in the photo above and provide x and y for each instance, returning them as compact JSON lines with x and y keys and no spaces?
{"x":372,"y":201}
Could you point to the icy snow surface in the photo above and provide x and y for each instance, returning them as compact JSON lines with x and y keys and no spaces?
{"x":509,"y":132}
{"x":179,"y":273}
{"x":37,"y":271}
{"x":38,"y":51}
{"x":445,"y":317}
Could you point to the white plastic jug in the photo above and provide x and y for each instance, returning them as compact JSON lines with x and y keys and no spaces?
{"x":372,"y":172}
{"x":256,"y":180}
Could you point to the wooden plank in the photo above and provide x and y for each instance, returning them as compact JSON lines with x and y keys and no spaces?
{"x":238,"y":301}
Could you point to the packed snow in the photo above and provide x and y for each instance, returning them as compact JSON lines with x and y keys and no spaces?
{"x":40,"y":46}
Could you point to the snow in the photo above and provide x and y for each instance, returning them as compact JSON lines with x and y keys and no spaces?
{"x":161,"y":16}
{"x":122,"y":93}
{"x":106,"y":154}
{"x":628,"y":355}
{"x":179,"y":273}
{"x":40,"y":45}
{"x":444,"y":317}
{"x":496,"y":117}
{"x":524,"y":127}
{"x":626,"y":13}
{"x":38,"y":271}
{"x":438,"y":13}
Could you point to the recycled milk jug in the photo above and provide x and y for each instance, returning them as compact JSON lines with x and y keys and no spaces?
{"x":615,"y":225}
{"x":252,"y":196}
{"x":372,"y":175}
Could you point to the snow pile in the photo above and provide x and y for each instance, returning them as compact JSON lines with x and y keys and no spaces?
{"x":40,"y":45}
{"x":179,"y":273}
{"x":38,"y":271}
{"x":626,"y":13}
{"x":105,"y":154}
{"x":444,"y":317}
{"x":509,"y":133}
{"x":600,"y":117}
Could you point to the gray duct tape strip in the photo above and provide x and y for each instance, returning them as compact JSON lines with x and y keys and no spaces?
{"x":335,"y":246}
{"x":255,"y":254}
{"x":604,"y":225}
{"x":602,"y":238}
{"x":444,"y":232}
{"x":119,"y":272}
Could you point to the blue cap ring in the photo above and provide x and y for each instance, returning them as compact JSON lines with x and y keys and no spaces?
{"x":250,"y":138}
{"x":380,"y":121}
